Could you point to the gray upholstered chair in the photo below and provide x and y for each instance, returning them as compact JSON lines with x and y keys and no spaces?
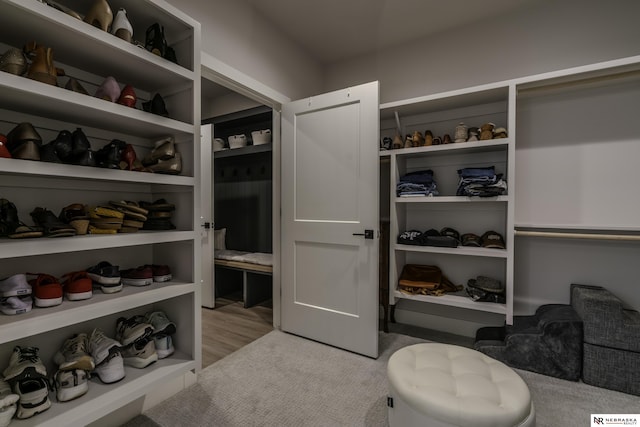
{"x":611,"y":339}
{"x":548,"y":342}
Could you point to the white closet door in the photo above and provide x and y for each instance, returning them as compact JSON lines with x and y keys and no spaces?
{"x":206,"y":209}
{"x":330,"y":198}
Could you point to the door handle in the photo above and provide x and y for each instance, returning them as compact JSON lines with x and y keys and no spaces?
{"x":368,"y":234}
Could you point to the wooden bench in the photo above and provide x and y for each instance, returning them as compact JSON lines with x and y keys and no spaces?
{"x":256,"y":280}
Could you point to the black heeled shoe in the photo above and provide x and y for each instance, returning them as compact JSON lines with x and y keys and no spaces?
{"x":155,"y":41}
{"x":63,"y":145}
{"x":81,"y":144}
{"x":109,"y":155}
{"x":156,"y":106}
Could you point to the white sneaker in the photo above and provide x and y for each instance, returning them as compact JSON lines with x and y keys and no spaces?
{"x":100,"y":346}
{"x":16,"y":305}
{"x":74,"y":354}
{"x":14,"y":286}
{"x":8,"y":401}
{"x":161,"y":323}
{"x":140,"y":354}
{"x":71,"y":384}
{"x":34,"y":396}
{"x":164,"y":345}
{"x":132,"y":329}
{"x":24,"y":363}
{"x":111,"y":369}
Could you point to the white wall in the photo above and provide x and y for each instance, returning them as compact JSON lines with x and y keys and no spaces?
{"x":544,"y":36}
{"x":236,"y":35}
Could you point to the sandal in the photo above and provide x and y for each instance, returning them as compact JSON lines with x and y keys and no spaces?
{"x":50,"y":224}
{"x":10,"y":224}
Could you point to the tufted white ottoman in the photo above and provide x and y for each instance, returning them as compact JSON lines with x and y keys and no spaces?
{"x":440,"y":385}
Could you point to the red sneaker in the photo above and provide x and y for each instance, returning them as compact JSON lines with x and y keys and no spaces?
{"x":77,"y":286}
{"x":161,"y":273}
{"x":47,"y":290}
{"x":141,"y":276}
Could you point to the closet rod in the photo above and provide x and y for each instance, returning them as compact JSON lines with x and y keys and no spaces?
{"x":584,"y":236}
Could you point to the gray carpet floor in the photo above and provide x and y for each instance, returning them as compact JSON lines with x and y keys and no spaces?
{"x":284,"y":380}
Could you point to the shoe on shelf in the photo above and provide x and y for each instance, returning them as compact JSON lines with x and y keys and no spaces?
{"x":111,"y":369}
{"x":8,"y":403}
{"x":4,"y":151}
{"x":75,"y":86}
{"x":164,"y":345}
{"x":27,"y":376}
{"x":80,"y":144}
{"x":48,"y":154}
{"x":140,"y":276}
{"x":107,"y":356}
{"x":77,"y":286}
{"x":24,"y":142}
{"x":164,"y":149}
{"x":63,"y":145}
{"x":10,"y":224}
{"x":13,"y":61}
{"x":121,"y":27}
{"x":140,"y":353}
{"x":50,"y":223}
{"x":154,"y":40}
{"x":74,"y":354}
{"x":109,"y":156}
{"x":109,"y":90}
{"x":16,"y":305}
{"x":42,"y":67}
{"x":47,"y":290}
{"x":135,"y":328}
{"x":61,"y":8}
{"x":15,"y":285}
{"x":156,"y":106}
{"x":70,"y":384}
{"x":100,"y":15}
{"x":171,"y":167}
{"x":107,"y":276}
{"x":160,"y":322}
{"x":128,"y":97}
{"x":128,"y":158}
{"x":161,"y":273}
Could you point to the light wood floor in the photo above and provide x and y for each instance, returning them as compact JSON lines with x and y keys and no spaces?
{"x":230,"y":326}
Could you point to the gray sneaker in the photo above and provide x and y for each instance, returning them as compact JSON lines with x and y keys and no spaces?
{"x":140,"y":354}
{"x":28,"y":377}
{"x":100,"y":346}
{"x":74,"y":354}
{"x":161,"y":323}
{"x":132,"y":329}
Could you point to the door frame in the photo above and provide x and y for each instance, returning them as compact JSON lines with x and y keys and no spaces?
{"x":218,"y":72}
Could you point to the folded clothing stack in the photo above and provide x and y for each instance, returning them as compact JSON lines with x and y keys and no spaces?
{"x":160,"y":213}
{"x":418,"y":183}
{"x":481,"y":182}
{"x":104,"y":220}
{"x":447,"y":238}
{"x":134,"y":215}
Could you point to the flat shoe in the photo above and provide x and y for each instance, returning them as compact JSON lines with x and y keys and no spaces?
{"x":13,"y":61}
{"x":24,"y":231}
{"x":50,"y":224}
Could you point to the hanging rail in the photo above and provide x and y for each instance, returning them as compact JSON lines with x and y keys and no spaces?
{"x":583,"y":236}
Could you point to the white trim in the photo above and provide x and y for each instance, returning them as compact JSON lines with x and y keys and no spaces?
{"x":217,"y":71}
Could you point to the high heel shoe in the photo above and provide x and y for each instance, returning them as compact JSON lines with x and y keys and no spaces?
{"x":154,"y":40}
{"x":109,"y":90}
{"x":42,"y":68}
{"x":121,"y":27}
{"x":24,"y":142}
{"x":172,"y":166}
{"x":128,"y":157}
{"x":164,"y":149}
{"x":128,"y":97}
{"x":4,"y":152}
{"x":80,"y":144}
{"x":63,"y":145}
{"x":109,"y":155}
{"x":100,"y":15}
{"x":156,"y":106}
{"x":75,"y":86}
{"x":13,"y":61}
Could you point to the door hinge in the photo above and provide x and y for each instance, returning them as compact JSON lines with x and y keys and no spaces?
{"x":206,"y":225}
{"x":390,"y":401}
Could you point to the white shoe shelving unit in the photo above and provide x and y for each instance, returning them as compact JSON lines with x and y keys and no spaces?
{"x":90,"y":55}
{"x":440,"y":114}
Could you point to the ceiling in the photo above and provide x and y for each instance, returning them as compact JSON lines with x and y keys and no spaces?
{"x":335,"y":30}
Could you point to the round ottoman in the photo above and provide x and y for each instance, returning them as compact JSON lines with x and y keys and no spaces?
{"x":434,"y":384}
